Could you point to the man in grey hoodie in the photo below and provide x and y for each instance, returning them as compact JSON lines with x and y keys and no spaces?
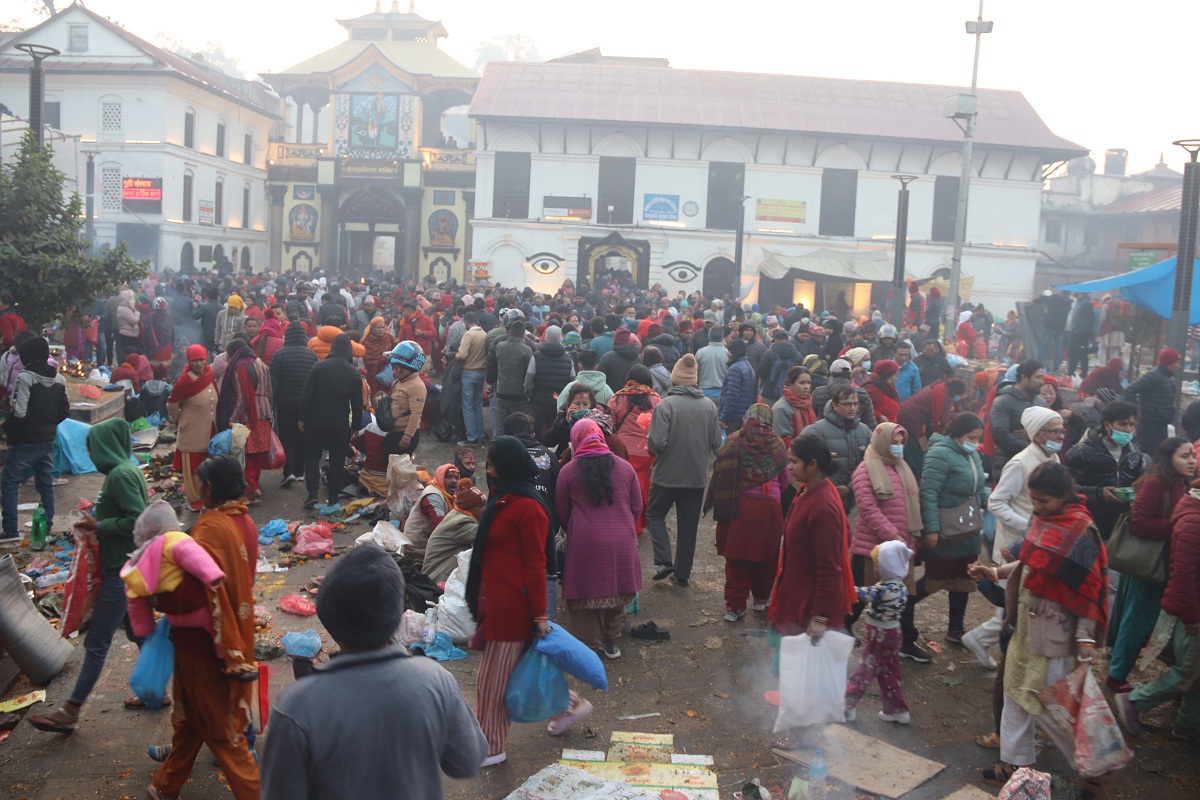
{"x":590,"y":377}
{"x":684,"y":434}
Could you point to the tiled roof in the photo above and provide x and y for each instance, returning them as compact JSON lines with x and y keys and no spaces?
{"x":834,"y":106}
{"x":415,"y":58}
{"x":1168,"y":198}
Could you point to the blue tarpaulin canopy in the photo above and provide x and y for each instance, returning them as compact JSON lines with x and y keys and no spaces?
{"x":1151,"y":288}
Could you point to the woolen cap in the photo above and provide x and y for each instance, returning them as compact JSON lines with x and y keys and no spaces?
{"x":468,"y":500}
{"x":886,"y":367}
{"x":1168,"y":357}
{"x":686,"y":372}
{"x":621,"y":337}
{"x":196,"y":352}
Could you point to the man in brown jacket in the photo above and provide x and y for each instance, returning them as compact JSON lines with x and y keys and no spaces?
{"x":472,"y":352}
{"x":408,"y":398}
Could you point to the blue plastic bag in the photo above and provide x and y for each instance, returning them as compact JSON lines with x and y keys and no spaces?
{"x":442,"y":649}
{"x":573,"y":657}
{"x":302,"y":645}
{"x":537,"y":689}
{"x":152,"y":673}
{"x":385,"y":376}
{"x":71,"y":455}
{"x":221,"y":444}
{"x":273,"y":528}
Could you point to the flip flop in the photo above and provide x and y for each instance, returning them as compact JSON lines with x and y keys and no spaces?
{"x":990,"y":741}
{"x":57,"y":721}
{"x":136,"y":702}
{"x":998,"y":774}
{"x":651,"y":632}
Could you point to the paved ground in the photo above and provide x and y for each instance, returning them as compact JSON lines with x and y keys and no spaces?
{"x":707,"y":683}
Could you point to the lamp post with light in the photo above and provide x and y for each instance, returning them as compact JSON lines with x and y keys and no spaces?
{"x":897,"y":308}
{"x":960,"y":107}
{"x":1181,"y":304}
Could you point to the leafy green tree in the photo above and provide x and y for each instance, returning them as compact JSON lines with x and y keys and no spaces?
{"x":43,"y":257}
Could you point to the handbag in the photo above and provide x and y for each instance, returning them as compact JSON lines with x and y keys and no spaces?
{"x":963,"y":518}
{"x":1129,"y":554}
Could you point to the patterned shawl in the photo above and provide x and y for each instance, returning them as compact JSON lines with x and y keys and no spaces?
{"x":1065,"y":561}
{"x":232,"y":603}
{"x":752,"y":456}
{"x":587,"y":440}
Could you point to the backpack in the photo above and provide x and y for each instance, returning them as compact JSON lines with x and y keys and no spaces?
{"x":778,"y":376}
{"x":383,"y":413}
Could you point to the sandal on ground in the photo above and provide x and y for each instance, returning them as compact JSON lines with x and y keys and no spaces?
{"x":57,"y":721}
{"x":785,"y":743}
{"x":137,"y":702}
{"x":648,"y":630}
{"x":991,"y":741}
{"x":999,"y":774}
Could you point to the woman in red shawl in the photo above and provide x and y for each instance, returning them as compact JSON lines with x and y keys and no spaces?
{"x":743,"y":494}
{"x":1057,"y":603}
{"x":882,"y":389}
{"x":158,"y":337}
{"x":193,"y":405}
{"x":965,"y":336}
{"x":246,"y":398}
{"x":215,"y":666}
{"x":378,"y":343}
{"x":794,"y":411}
{"x":268,"y":340}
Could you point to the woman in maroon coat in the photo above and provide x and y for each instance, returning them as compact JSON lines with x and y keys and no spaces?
{"x":506,"y":587}
{"x":814,"y":587}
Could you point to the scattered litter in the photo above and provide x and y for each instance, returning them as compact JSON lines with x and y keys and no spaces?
{"x":21,"y":701}
{"x":386,"y":535}
{"x":305,"y":644}
{"x":752,"y":790}
{"x":629,"y":717}
{"x":713,"y":643}
{"x":295,"y":604}
{"x":314,"y":540}
{"x":267,"y":648}
{"x":951,"y":680}
{"x":273,"y":528}
{"x":934,"y":646}
{"x":263,"y":565}
{"x":332,"y":508}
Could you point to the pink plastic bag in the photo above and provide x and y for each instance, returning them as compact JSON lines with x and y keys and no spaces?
{"x":295,"y":604}
{"x":1077,"y":703}
{"x":314,"y":540}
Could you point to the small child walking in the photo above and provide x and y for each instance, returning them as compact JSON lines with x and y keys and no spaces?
{"x":881,"y":652}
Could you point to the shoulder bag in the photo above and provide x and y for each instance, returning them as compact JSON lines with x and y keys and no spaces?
{"x":1128,"y":554}
{"x":966,"y":517}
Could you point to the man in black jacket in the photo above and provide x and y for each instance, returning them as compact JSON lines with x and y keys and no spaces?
{"x":1107,"y":459}
{"x":206,"y":315}
{"x":773,"y":367}
{"x":1011,"y":401}
{"x":39,"y":402}
{"x":290,"y":367}
{"x":330,"y":405}
{"x":1156,"y":394}
{"x":549,"y":370}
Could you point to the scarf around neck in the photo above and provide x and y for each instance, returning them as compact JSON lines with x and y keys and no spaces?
{"x":752,"y":456}
{"x":877,"y":459}
{"x":803,"y":414}
{"x":187,"y":385}
{"x":587,"y":440}
{"x":1065,"y":561}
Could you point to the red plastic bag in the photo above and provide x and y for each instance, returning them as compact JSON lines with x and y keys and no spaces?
{"x":82,"y":588}
{"x":1077,"y":703}
{"x":276,"y":458}
{"x":314,"y":540}
{"x":295,"y":604}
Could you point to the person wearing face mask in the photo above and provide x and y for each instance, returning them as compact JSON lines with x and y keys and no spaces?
{"x":1010,"y":504}
{"x":1106,"y":459}
{"x":952,"y":477}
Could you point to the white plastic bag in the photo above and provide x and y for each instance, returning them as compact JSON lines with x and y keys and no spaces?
{"x":812,"y":680}
{"x":404,"y":485}
{"x":412,"y":628}
{"x":384,"y":534}
{"x":453,"y":617}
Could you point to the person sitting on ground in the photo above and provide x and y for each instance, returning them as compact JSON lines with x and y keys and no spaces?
{"x":371,"y":442}
{"x":454,"y":534}
{"x":436,"y":500}
{"x":374,"y":718}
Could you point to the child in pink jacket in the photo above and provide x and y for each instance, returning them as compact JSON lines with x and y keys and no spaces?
{"x":163,"y":558}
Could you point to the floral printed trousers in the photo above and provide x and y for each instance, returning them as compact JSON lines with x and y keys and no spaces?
{"x":880,"y":660}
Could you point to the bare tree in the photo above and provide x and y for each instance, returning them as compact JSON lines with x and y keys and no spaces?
{"x":513,"y":47}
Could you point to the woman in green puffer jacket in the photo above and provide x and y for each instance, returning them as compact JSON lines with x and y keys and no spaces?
{"x":952,"y":476}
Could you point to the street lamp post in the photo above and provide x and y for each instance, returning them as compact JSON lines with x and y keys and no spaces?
{"x":977,"y":28}
{"x":37,"y":87}
{"x":90,"y":200}
{"x":897,"y":309}
{"x":1181,"y":304}
{"x":737,"y":249}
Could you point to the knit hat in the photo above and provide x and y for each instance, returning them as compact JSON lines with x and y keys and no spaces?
{"x":886,"y":367}
{"x":1114,"y":363}
{"x":1168,"y":357}
{"x":621,"y":336}
{"x":710,"y":316}
{"x":653,"y":329}
{"x":554,"y":335}
{"x":685,"y":373}
{"x":780,"y":333}
{"x":1034,"y":418}
{"x":196,"y":352}
{"x":34,"y":351}
{"x":362,"y":598}
{"x":816,"y":365}
{"x":848,"y":326}
{"x":685,"y":326}
{"x":840,"y":366}
{"x":891,"y":560}
{"x":468,"y":499}
{"x":857,"y":355}
{"x":233,"y":301}
{"x":573,"y":337}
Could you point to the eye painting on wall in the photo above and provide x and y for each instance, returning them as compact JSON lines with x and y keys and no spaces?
{"x":545,"y":263}
{"x":302,"y":223}
{"x":443,"y":228}
{"x":681,"y":271}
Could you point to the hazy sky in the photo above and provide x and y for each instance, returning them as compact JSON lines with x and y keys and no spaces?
{"x":1102,"y":74}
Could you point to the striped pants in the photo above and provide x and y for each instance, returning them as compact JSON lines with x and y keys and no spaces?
{"x":491,"y":682}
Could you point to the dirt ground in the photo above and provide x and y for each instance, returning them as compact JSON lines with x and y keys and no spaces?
{"x":706,"y":683}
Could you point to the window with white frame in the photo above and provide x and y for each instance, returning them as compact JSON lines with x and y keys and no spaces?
{"x":78,"y":42}
{"x":110,"y":117}
{"x":110,"y":188}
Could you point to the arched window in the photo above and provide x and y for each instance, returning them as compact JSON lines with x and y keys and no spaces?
{"x":246,"y":260}
{"x":187,"y":257}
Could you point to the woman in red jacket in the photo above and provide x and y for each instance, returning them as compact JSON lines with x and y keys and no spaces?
{"x":1182,"y":601}
{"x":814,"y":587}
{"x":1138,"y":601}
{"x":882,"y":389}
{"x":506,"y":587}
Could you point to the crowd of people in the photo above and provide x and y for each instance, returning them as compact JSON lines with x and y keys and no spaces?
{"x":848,"y":467}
